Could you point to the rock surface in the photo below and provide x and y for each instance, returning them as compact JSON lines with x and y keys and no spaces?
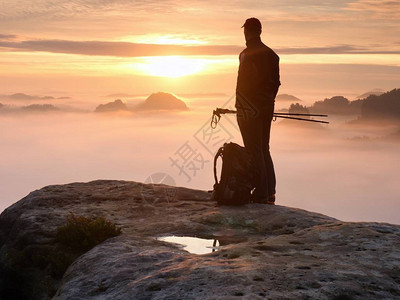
{"x":268,"y":252}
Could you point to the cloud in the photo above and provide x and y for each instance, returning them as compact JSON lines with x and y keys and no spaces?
{"x":124,"y":95}
{"x":286,"y":23}
{"x":202,"y":95}
{"x":184,"y":95}
{"x":342,"y":49}
{"x":382,"y":9}
{"x":7,"y":36}
{"x":46,"y":8}
{"x":121,"y":49}
{"x":128,"y":49}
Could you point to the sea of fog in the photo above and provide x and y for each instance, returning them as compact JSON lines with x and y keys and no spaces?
{"x":331,"y":169}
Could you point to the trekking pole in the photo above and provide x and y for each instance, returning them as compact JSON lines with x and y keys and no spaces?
{"x":217,"y":115}
{"x":293,"y":116}
{"x":300,"y":119}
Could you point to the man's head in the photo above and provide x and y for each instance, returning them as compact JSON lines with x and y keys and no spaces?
{"x":252,"y":28}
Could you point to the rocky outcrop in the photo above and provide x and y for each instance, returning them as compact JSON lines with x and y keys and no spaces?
{"x":287,"y":98}
{"x":267,"y":252}
{"x":162,"y":102}
{"x":117,"y":105}
{"x":376,"y":92}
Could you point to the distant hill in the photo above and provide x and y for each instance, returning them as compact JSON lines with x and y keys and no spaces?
{"x":40,"y":108}
{"x":22,"y":96}
{"x":287,"y":98}
{"x":385,"y":106}
{"x":376,"y":92}
{"x":337,"y":105}
{"x":37,"y":108}
{"x":162,"y":101}
{"x":155,"y":102}
{"x":117,"y":105}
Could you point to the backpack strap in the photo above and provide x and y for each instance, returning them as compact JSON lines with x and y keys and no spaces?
{"x":218,"y":154}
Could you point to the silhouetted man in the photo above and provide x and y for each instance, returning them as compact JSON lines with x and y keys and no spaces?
{"x":257,"y":85}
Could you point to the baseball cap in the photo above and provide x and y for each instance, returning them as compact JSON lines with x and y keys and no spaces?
{"x":252,"y":23}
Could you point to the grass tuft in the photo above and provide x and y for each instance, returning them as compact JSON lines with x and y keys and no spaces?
{"x":82,"y":233}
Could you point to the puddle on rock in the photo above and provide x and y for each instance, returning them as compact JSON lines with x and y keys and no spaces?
{"x":193,"y":244}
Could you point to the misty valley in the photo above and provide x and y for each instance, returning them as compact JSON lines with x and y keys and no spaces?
{"x":347,"y":169}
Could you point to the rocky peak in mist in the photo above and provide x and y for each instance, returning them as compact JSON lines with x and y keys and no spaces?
{"x":162,"y":101}
{"x":22,"y":96}
{"x":114,"y":106}
{"x":155,"y":102}
{"x":266,"y":251}
{"x":287,"y":98}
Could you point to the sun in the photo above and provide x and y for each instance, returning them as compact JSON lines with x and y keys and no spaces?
{"x":170,"y":66}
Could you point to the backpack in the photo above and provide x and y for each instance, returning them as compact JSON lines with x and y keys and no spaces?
{"x":238,"y":175}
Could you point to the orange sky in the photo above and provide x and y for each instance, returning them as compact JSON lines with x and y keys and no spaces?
{"x":101,"y":47}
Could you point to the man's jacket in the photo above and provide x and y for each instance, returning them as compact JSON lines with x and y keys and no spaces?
{"x":258,"y":76}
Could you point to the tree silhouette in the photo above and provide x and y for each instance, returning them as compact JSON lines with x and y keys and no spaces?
{"x":385,"y":106}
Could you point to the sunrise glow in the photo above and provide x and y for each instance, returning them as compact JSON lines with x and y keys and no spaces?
{"x":170,"y":66}
{"x":163,"y":40}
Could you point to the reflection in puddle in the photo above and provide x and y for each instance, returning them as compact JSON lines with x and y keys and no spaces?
{"x":192,"y":244}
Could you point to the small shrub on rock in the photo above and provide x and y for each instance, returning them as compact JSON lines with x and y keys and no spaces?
{"x":82,"y":233}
